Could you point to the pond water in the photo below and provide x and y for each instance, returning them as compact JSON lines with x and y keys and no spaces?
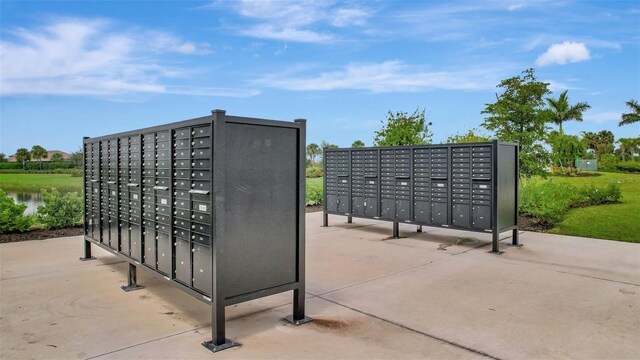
{"x":31,"y":199}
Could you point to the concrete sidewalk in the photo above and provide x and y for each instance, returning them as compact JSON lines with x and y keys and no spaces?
{"x":437,"y":294}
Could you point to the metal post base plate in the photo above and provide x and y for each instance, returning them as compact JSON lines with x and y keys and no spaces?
{"x":305,"y":320}
{"x":87,"y":259}
{"x":215,"y":348}
{"x":496,"y":252}
{"x":128,"y":288}
{"x":516,"y":245}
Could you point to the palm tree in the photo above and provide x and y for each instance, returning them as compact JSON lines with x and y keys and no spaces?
{"x":633,"y":116}
{"x":38,"y":153}
{"x":562,"y":111}
{"x":23,"y":155}
{"x":628,"y":146}
{"x":313,"y":150}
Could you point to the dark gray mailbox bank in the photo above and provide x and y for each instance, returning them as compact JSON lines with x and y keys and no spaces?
{"x":463,"y":186}
{"x":214,"y":205}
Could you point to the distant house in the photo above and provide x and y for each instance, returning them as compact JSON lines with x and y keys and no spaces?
{"x":65,"y":156}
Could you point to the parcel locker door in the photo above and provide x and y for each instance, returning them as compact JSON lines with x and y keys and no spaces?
{"x":460,"y":216}
{"x":202,"y":268}
{"x":183,"y":261}
{"x":439,"y":213}
{"x":105,"y":229}
{"x":389,"y":209}
{"x":371,"y":207}
{"x":114,"y":233}
{"x":358,"y":206}
{"x":422,"y":212}
{"x":343,"y":204}
{"x":164,"y":253}
{"x":124,"y":238}
{"x":402,"y":210}
{"x":481,"y":217}
{"x":332,"y":202}
{"x":149,"y":241}
{"x":136,"y":244}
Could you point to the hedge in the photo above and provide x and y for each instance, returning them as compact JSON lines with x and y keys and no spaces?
{"x":34,"y":165}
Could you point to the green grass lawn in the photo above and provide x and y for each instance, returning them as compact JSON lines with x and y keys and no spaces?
{"x":614,"y":221}
{"x":35,"y":182}
{"x":66,"y":183}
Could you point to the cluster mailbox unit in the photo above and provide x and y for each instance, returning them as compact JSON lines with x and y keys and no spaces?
{"x":463,"y":186}
{"x":214,"y":205}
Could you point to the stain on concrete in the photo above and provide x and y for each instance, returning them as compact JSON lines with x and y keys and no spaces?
{"x":443,"y":247}
{"x":332,"y":324}
{"x":628,"y":292}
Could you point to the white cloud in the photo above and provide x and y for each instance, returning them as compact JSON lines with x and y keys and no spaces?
{"x":350,"y":16}
{"x":87,"y":57}
{"x":514,"y":7}
{"x":267,"y":31}
{"x":602,"y":117}
{"x":296,"y":20}
{"x":385,"y":77}
{"x":566,"y":52}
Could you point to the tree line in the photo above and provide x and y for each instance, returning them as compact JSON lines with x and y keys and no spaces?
{"x":38,"y":153}
{"x":521,"y":113}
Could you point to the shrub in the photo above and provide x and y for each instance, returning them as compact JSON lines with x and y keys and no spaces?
{"x":314,"y":172}
{"x":314,"y":194}
{"x":608,"y":162}
{"x":629,"y":166}
{"x":546,"y":202}
{"x":60,"y":211}
{"x":12,"y":218}
{"x":34,"y":165}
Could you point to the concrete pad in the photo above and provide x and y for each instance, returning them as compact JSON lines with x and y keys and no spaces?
{"x":44,"y":256}
{"x":437,"y":294}
{"x":611,"y":260}
{"x":336,"y":333}
{"x":508,"y":310}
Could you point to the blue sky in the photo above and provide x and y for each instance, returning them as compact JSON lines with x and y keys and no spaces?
{"x":89,"y":68}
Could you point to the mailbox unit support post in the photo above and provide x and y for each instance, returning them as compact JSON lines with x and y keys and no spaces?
{"x":132,"y":281}
{"x":396,"y":230}
{"x":515,"y":237}
{"x":495,"y":243}
{"x":87,"y":245}
{"x":349,"y":220}
{"x":218,"y":340}
{"x":87,"y":251}
{"x":419,"y":228}
{"x":298,"y":317}
{"x":325,"y":219}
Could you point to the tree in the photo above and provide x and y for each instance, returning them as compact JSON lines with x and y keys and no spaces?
{"x":38,"y":153}
{"x":3,"y":157}
{"x":632,"y":116}
{"x":600,"y":143}
{"x":358,"y":143}
{"x":469,"y":137}
{"x":404,"y":129}
{"x":23,"y":155}
{"x":77,"y":158}
{"x":565,"y":149}
{"x":313,"y":150}
{"x":519,"y":115}
{"x":561,"y":110}
{"x":628,"y":146}
{"x":57,"y":157}
{"x":326,"y":144}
